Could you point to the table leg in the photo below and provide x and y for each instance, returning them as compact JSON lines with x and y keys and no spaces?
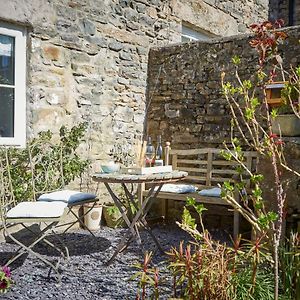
{"x":123,"y":244}
{"x":138,"y":217}
{"x":118,"y":203}
{"x":132,"y":230}
{"x":151,"y":196}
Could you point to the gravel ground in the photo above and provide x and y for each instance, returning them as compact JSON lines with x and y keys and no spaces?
{"x":85,"y":275}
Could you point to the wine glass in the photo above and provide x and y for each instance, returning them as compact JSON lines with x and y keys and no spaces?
{"x":149,"y":155}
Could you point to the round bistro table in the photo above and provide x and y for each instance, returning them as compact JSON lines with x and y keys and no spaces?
{"x":155,"y":181}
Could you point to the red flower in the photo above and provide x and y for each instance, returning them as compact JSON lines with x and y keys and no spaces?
{"x":254,"y":43}
{"x":267,"y":24}
{"x":279,"y":23}
{"x":7,"y":271}
{"x":279,"y":142}
{"x":3,"y":284}
{"x":273,"y":136}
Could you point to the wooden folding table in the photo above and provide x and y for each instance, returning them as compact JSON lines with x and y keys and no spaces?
{"x":155,"y":181}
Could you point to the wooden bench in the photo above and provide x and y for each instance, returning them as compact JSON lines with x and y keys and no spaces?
{"x":207,"y":168}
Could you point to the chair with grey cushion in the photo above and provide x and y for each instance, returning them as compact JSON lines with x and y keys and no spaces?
{"x":71,"y":199}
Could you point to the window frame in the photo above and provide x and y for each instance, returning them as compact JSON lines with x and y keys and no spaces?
{"x":19,"y":33}
{"x":190,"y":34}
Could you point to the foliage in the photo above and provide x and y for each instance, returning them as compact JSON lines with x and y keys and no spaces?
{"x":207,"y":269}
{"x":242,"y":282}
{"x":5,"y":279}
{"x":148,"y":277}
{"x":44,"y":165}
{"x":290,"y":266}
{"x":252,"y":127}
{"x":112,"y":209}
{"x":128,"y":206}
{"x":220,"y":271}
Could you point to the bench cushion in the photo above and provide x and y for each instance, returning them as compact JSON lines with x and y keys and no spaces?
{"x":178,"y":188}
{"x":37,"y":210}
{"x":67,"y":196}
{"x":213,"y":192}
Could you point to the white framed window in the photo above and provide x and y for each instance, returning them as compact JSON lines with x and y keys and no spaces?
{"x":12,"y":85}
{"x":189,"y":34}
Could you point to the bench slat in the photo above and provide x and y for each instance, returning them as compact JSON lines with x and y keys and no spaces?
{"x":195,"y":178}
{"x":183,"y":197}
{"x":201,"y":179}
{"x":224,"y":163}
{"x":192,"y":161}
{"x":225,"y":171}
{"x":195,"y":151}
{"x":187,"y":169}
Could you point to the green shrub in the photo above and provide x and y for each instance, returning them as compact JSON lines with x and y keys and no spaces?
{"x":44,"y":165}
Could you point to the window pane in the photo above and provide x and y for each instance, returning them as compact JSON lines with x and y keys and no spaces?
{"x":7,"y":105}
{"x":7,"y":59}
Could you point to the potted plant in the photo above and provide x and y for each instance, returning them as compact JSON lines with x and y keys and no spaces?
{"x":112,"y":216}
{"x":285,"y":118}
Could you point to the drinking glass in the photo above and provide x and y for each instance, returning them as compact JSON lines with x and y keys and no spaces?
{"x":149,"y":155}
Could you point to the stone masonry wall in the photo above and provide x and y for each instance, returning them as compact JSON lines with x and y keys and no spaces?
{"x":185,"y":103}
{"x":87,"y":59}
{"x":281,"y":9}
{"x":184,"y":87}
{"x":184,"y":91}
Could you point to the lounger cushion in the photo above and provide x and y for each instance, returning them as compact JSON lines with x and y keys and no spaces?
{"x":67,"y":196}
{"x":213,"y":192}
{"x":37,"y":210}
{"x":178,"y":188}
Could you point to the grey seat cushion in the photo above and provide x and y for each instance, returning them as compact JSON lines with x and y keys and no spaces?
{"x":67,"y":196}
{"x":213,"y":192}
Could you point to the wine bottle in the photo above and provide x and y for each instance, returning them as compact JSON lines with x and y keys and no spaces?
{"x":159,"y":152}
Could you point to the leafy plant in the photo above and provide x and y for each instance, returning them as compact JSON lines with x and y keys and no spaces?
{"x":148,"y":278}
{"x":129,"y":206}
{"x":5,"y":279}
{"x":204,"y":268}
{"x":289,"y":257}
{"x":44,"y":165}
{"x":112,"y":209}
{"x":251,"y":128}
{"x":243,"y":283}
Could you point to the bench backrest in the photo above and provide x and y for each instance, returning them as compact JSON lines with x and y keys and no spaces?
{"x":207,"y":166}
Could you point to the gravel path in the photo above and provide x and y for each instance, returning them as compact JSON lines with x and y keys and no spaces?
{"x":86,"y":276}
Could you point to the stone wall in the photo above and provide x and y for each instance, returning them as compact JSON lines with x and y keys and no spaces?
{"x":185,"y":103}
{"x":287,"y":10}
{"x":184,"y":91}
{"x":184,"y":87}
{"x":87,"y":59}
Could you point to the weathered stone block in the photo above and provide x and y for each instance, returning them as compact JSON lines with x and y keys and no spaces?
{"x":52,"y":52}
{"x":116,"y":46}
{"x":88,"y":27}
{"x":125,"y":55}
